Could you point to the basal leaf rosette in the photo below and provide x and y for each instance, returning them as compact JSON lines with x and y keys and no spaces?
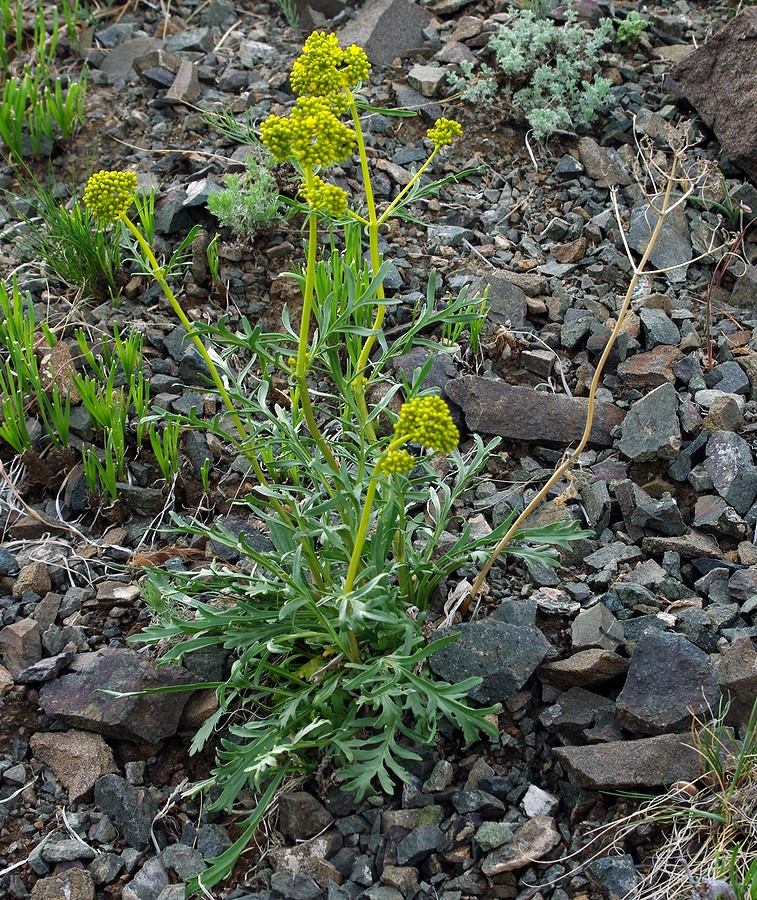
{"x":109,"y":194}
{"x":444,"y":131}
{"x":427,"y":421}
{"x":325,"y":69}
{"x":311,"y":135}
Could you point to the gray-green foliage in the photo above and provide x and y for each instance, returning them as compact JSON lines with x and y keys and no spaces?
{"x":556,"y":66}
{"x":250,"y":201}
{"x":631,"y":28}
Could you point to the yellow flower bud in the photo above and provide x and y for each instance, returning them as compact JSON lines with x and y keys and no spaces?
{"x":444,"y":131}
{"x":394,"y":462}
{"x":427,"y":421}
{"x":109,"y":194}
{"x":325,"y":197}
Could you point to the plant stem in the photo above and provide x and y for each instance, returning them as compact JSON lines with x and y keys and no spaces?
{"x":301,"y":375}
{"x":362,"y":531}
{"x":570,"y":460}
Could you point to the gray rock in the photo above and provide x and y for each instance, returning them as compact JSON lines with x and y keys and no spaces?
{"x":131,"y":809}
{"x":504,"y":656}
{"x":616,"y":875}
{"x":522,"y":413}
{"x":689,"y":546}
{"x":185,"y":861}
{"x":669,"y":680}
{"x":66,"y":850}
{"x":649,"y":762}
{"x":657,"y":328}
{"x":673,"y":246}
{"x":714,"y":516}
{"x":77,"y":698}
{"x":651,"y":429}
{"x":302,"y":816}
{"x":429,"y":80}
{"x":118,"y":64}
{"x":419,"y":844}
{"x":703,"y":626}
{"x":506,"y":301}
{"x":742,"y":585}
{"x":46,"y":669}
{"x":105,"y":868}
{"x":8,"y":563}
{"x":20,"y":645}
{"x":532,"y":841}
{"x":469,"y":801}
{"x":736,"y":672}
{"x":248,"y":534}
{"x":586,"y":667}
{"x":716,"y":80}
{"x":659,"y":516}
{"x":449,"y":235}
{"x":596,"y":627}
{"x":148,"y":883}
{"x":603,"y":164}
{"x":728,"y":377}
{"x":572,"y":713}
{"x":493,"y":834}
{"x":386,"y":29}
{"x":296,"y":886}
{"x":744,"y":294}
{"x":729,"y":464}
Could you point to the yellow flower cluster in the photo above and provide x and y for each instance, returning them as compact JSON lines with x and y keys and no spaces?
{"x":312,"y":135}
{"x":394,"y":462}
{"x":325,"y":197}
{"x":324,"y":68}
{"x":109,"y":194}
{"x":444,"y":131}
{"x":427,"y":421}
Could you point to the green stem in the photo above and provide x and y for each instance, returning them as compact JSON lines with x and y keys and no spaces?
{"x":362,"y":532}
{"x":398,"y":199}
{"x":301,"y":375}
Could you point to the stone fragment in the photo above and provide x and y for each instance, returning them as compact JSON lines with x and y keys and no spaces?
{"x":429,"y":80}
{"x":714,"y":516}
{"x":186,"y":85}
{"x":669,"y":680}
{"x":522,"y":413}
{"x":386,"y":29}
{"x":301,"y":815}
{"x":33,"y":577}
{"x":596,"y":627}
{"x":603,"y":164}
{"x":657,"y":328}
{"x":649,"y":762}
{"x":131,"y":809}
{"x":493,"y":834}
{"x":419,"y":844}
{"x":736,"y":672}
{"x":538,"y":802}
{"x":651,"y":429}
{"x":298,"y":886}
{"x":78,"y":759}
{"x":20,"y":645}
{"x":645,"y":371}
{"x":725,"y":414}
{"x":584,"y":668}
{"x":149,"y":882}
{"x":506,"y":300}
{"x":688,"y":546}
{"x":77,"y":698}
{"x":744,"y":295}
{"x":532,"y":841}
{"x":572,"y":713}
{"x":717,"y":80}
{"x":293,"y":859}
{"x":505,"y":656}
{"x":185,"y":861}
{"x":73,"y":884}
{"x":616,"y":874}
{"x":659,"y":516}
{"x":672,"y":248}
{"x":729,"y":464}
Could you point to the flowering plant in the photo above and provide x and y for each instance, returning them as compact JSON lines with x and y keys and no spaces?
{"x":324,"y":615}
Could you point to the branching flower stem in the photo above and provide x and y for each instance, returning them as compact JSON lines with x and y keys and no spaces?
{"x":571,"y":459}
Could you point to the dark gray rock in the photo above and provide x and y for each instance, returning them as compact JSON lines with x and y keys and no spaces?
{"x":744,"y":294}
{"x":506,"y":301}
{"x":716,"y":80}
{"x":504,"y":656}
{"x":596,"y":627}
{"x":658,"y":516}
{"x":603,"y":164}
{"x":185,"y":861}
{"x":149,"y":882}
{"x":118,"y":63}
{"x":586,"y":667}
{"x":673,"y":246}
{"x":728,"y":377}
{"x":669,"y":680}
{"x":573,"y":713}
{"x":651,"y":429}
{"x":296,"y":886}
{"x":131,"y":809}
{"x":649,"y":762}
{"x":703,"y":626}
{"x":734,"y":475}
{"x":657,"y":328}
{"x":301,"y":815}
{"x":8,"y":563}
{"x":524,"y":414}
{"x":386,"y":29}
{"x":419,"y":844}
{"x":736,"y":672}
{"x":77,"y":698}
{"x":714,"y":516}
{"x":616,"y":875}
{"x":20,"y":645}
{"x":248,"y":534}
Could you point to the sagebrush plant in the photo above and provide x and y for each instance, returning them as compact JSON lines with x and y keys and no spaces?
{"x":250,"y":201}
{"x":546,"y":73}
{"x":323,"y":617}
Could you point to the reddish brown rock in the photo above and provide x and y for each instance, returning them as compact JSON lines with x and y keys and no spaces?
{"x":525,"y":414}
{"x":718,"y":80}
{"x":20,"y":645}
{"x":645,"y":371}
{"x":78,"y":759}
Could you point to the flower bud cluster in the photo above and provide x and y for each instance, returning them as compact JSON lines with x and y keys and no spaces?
{"x":109,"y":194}
{"x":324,"y":68}
{"x":427,"y":421}
{"x":312,"y":135}
{"x":394,"y":462}
{"x":325,"y":197}
{"x":444,"y":131}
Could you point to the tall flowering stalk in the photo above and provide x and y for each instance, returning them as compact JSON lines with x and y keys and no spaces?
{"x":314,"y":137}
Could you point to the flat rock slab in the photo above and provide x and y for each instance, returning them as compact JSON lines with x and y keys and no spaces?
{"x":386,"y":29}
{"x":78,"y":698}
{"x":78,"y":759}
{"x":718,"y":80}
{"x":524,"y":414}
{"x":504,"y":656}
{"x":534,"y":840}
{"x":649,"y":762}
